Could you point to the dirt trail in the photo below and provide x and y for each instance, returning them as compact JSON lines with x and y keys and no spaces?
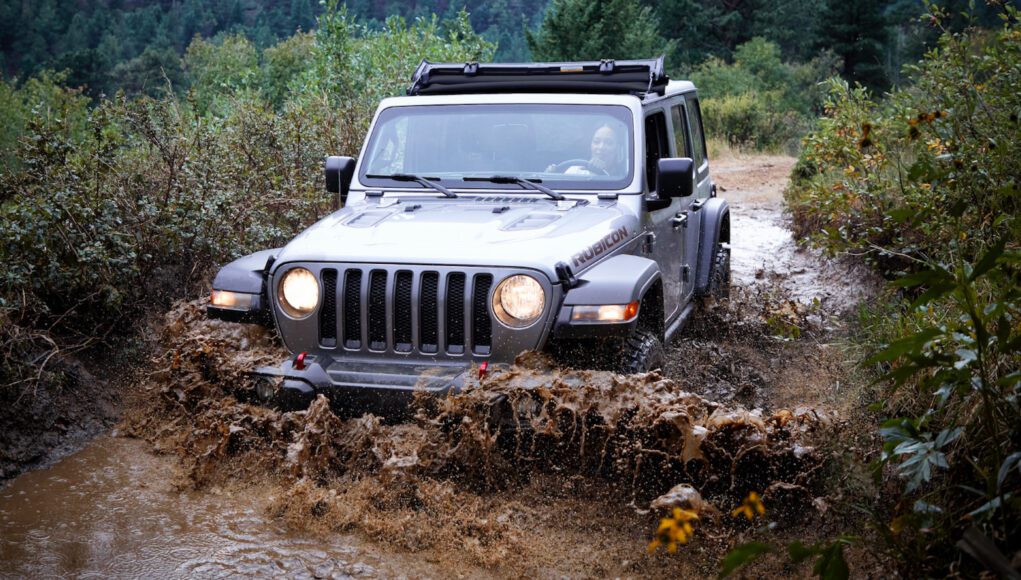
{"x":238,"y":489}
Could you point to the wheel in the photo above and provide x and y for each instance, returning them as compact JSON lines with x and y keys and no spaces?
{"x":642,"y":352}
{"x":719,"y":277}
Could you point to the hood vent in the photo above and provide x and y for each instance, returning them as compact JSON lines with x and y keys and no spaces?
{"x":532,"y":221}
{"x":507,"y":199}
{"x":367,"y":219}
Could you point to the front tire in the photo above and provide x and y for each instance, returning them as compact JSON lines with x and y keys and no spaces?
{"x":719,"y":277}
{"x":642,"y":352}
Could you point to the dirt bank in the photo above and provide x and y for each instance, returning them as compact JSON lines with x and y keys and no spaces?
{"x":750,"y":401}
{"x":52,"y":413}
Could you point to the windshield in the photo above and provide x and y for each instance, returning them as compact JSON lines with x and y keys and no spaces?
{"x":561,"y":146}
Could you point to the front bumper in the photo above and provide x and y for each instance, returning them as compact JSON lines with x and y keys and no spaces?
{"x":357,"y":387}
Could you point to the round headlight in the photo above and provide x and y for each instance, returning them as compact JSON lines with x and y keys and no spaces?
{"x":299,"y":292}
{"x":519,"y":301}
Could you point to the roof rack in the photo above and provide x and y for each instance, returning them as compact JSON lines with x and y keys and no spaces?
{"x":639,"y":77}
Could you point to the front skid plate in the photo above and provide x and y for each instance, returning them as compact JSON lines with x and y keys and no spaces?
{"x":362,"y":387}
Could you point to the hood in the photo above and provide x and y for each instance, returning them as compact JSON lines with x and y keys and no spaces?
{"x":527,"y":232}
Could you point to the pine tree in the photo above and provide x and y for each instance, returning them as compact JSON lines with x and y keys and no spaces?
{"x":855,"y":31}
{"x":597,"y":29}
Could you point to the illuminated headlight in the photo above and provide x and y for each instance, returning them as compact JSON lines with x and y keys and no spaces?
{"x":605,"y":313}
{"x":232,"y":300}
{"x":519,"y":301}
{"x":299,"y":293}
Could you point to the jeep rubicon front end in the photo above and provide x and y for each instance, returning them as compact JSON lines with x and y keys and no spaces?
{"x":495,"y":209}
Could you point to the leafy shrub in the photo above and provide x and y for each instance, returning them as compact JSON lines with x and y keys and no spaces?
{"x":107,"y":211}
{"x":924,"y":187}
{"x":759,"y":101}
{"x":928,"y":174}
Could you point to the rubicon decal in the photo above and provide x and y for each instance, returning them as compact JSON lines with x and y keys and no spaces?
{"x":601,"y":247}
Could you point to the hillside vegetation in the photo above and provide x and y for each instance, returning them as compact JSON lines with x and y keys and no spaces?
{"x":924,"y":187}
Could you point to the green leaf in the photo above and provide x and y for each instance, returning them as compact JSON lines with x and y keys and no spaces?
{"x":902,"y":214}
{"x":800,"y":552}
{"x":990,"y":506}
{"x":742,"y":555}
{"x":899,"y":347}
{"x":934,"y":276}
{"x":948,"y":436}
{"x":935,"y":292}
{"x":919,"y":170}
{"x":831,"y":564}
{"x":965,"y":356}
{"x":1011,"y":460}
{"x":987,"y":261}
{"x":922,"y":507}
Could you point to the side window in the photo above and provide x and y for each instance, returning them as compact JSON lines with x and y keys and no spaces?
{"x":697,"y":136}
{"x":656,"y":146}
{"x":677,"y":119}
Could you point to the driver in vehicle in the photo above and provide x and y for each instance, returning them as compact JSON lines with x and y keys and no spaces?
{"x":606,"y":159}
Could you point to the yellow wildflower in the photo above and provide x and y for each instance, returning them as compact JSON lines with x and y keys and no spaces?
{"x":750,"y":507}
{"x":673,"y":530}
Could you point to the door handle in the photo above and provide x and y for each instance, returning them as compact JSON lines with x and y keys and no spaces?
{"x":698,"y":204}
{"x":680,"y":220}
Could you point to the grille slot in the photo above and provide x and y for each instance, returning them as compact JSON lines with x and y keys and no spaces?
{"x":353,"y":309}
{"x":377,"y":310}
{"x":402,"y":312}
{"x":407,"y":310}
{"x":428,"y":317}
{"x":482,"y":329}
{"x":455,"y":313}
{"x":328,"y":311}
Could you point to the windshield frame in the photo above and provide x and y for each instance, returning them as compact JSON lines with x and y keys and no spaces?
{"x":577,"y":183}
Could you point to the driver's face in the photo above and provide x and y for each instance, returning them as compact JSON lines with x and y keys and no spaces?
{"x":604,"y":146}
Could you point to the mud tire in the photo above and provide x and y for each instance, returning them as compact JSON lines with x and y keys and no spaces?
{"x":642,"y":352}
{"x":719,"y":277}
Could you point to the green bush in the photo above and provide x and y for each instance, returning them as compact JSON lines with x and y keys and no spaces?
{"x":748,"y":120}
{"x":929,"y":174}
{"x":924,"y":187}
{"x":758,"y":101}
{"x":112,"y":211}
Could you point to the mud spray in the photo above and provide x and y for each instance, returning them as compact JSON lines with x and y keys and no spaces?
{"x":524,"y":464}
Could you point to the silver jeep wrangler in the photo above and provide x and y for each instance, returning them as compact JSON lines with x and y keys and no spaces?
{"x":498,"y":208}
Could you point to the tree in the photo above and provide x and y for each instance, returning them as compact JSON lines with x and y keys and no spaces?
{"x":855,"y":31}
{"x":597,"y":29}
{"x":301,"y":15}
{"x":716,"y":28}
{"x":219,"y":70}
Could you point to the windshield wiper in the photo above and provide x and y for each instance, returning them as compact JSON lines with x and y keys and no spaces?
{"x":529,"y":183}
{"x":429,"y":182}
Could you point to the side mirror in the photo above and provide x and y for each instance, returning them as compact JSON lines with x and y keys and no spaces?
{"x":339,"y":173}
{"x":676,"y":177}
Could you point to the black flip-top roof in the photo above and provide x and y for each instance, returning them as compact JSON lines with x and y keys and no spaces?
{"x":637,"y":77}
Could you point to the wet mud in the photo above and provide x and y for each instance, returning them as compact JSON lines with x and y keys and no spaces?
{"x":534,"y":470}
{"x":112,"y":511}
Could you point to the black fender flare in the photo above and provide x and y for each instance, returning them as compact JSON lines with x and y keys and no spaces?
{"x":621,"y":279}
{"x":246,"y":275}
{"x":715,"y":230}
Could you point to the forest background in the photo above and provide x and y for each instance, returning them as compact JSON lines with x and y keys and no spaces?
{"x":145,"y":144}
{"x":759,"y":62}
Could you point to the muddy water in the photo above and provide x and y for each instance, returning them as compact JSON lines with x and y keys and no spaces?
{"x":110,"y":511}
{"x":763,"y":249}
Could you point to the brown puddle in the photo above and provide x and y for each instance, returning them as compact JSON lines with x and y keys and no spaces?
{"x":111,"y":510}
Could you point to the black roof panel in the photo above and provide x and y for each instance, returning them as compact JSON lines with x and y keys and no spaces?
{"x":637,"y":77}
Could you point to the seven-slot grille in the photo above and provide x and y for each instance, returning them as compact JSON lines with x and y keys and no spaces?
{"x":429,"y":312}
